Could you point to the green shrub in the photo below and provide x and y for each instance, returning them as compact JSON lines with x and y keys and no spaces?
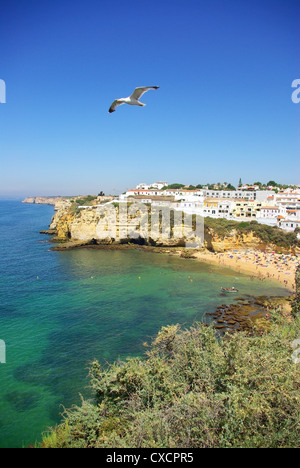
{"x":86,"y":200}
{"x":173,"y":186}
{"x":268,"y":234}
{"x":194,"y":390}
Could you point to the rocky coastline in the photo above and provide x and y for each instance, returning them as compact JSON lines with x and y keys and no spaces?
{"x":72,"y":225}
{"x":251,"y":314}
{"x":72,"y":230}
{"x":44,"y":200}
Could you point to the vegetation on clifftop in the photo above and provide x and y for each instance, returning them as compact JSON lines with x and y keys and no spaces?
{"x":268,"y":234}
{"x":86,"y":201}
{"x":194,"y":389}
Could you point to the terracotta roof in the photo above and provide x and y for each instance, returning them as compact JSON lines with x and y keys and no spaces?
{"x":182,"y":190}
{"x":289,"y":197}
{"x":295,"y":221}
{"x":168,"y":190}
{"x":155,"y":198}
{"x":143,"y":190}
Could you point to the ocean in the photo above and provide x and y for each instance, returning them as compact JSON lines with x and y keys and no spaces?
{"x":61,"y":310}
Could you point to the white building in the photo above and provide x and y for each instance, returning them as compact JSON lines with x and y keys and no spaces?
{"x":293,"y":214}
{"x":215,"y":208}
{"x":288,"y":201}
{"x":271,"y":212}
{"x":142,"y":186}
{"x":145,"y":192}
{"x":260,"y":195}
{"x":288,"y":224}
{"x":264,"y":206}
{"x":249,"y":187}
{"x":160,"y":193}
{"x":190,"y":196}
{"x":159,"y":185}
{"x":155,"y":185}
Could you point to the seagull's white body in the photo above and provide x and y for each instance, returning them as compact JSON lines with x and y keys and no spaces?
{"x":132,"y":100}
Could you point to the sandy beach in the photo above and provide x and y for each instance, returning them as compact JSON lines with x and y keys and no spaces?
{"x":264,"y":265}
{"x":272,"y":266}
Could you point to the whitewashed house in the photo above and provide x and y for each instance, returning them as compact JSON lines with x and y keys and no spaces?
{"x":269,"y":214}
{"x":215,"y":208}
{"x":159,"y":185}
{"x":147,"y":192}
{"x":259,"y":195}
{"x":142,"y":186}
{"x":288,"y":225}
{"x":288,"y":201}
{"x":155,"y":185}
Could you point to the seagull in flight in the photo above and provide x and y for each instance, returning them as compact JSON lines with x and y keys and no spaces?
{"x":133,"y":100}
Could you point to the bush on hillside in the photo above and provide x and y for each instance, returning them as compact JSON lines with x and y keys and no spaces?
{"x":86,"y":200}
{"x":268,"y":234}
{"x":193,"y":390}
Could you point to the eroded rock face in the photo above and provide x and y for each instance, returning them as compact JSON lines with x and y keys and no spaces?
{"x":245,"y":241}
{"x":106,"y":227}
{"x":233,"y":241}
{"x":83,"y":225}
{"x":77,"y":226}
{"x":29,"y":200}
{"x":45,"y":200}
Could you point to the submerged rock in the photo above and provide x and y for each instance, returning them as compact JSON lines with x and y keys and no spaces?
{"x":250,"y":314}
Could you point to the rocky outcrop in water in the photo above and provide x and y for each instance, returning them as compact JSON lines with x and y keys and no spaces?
{"x":249,"y":314}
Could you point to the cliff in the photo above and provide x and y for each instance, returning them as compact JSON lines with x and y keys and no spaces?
{"x":75,"y":225}
{"x":235,"y":241}
{"x":45,"y":200}
{"x":109,"y":227}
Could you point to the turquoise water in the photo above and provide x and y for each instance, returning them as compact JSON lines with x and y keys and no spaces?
{"x":60,"y":310}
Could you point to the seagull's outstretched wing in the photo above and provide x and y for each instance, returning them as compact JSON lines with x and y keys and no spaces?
{"x":138,"y":92}
{"x":115,"y":104}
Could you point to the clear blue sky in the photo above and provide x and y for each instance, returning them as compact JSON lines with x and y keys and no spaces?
{"x":223,"y":110}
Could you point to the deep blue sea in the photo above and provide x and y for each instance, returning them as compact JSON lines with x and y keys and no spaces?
{"x":60,"y":310}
